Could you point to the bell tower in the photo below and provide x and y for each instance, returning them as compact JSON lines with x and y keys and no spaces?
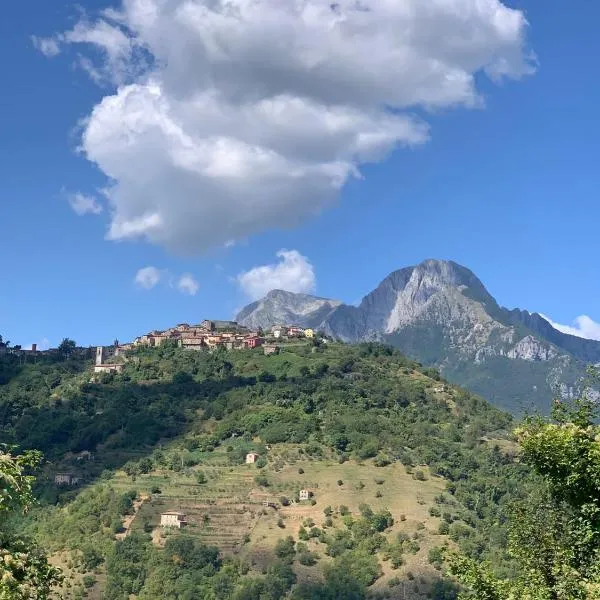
{"x":99,"y":355}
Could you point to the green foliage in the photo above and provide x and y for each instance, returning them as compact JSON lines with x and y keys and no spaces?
{"x":24,"y":570}
{"x":555,"y":535}
{"x":358,"y":402}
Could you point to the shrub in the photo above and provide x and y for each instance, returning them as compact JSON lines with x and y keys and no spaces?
{"x":394,"y":582}
{"x":444,"y":528}
{"x":155,"y":490}
{"x":344,"y":510}
{"x":261,"y":463}
{"x":328,"y":511}
{"x":434,"y":511}
{"x":280,"y":523}
{"x":307,"y":559}
{"x":382,"y":461}
{"x":200,"y":477}
{"x":89,"y":581}
{"x":410,"y":575}
{"x":301,"y":471}
{"x":419,"y":475}
{"x":286,"y":549}
{"x":261,"y":479}
{"x":435,"y":556}
{"x":328,"y":522}
{"x":285,"y":501}
{"x":340,"y":482}
{"x":403,"y":517}
{"x":379,"y":481}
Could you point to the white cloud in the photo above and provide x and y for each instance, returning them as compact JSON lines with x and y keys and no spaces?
{"x":583,"y":327}
{"x":232,"y":117}
{"x":148,"y":277}
{"x":187,"y":284}
{"x":293,"y":273}
{"x":47,"y":46}
{"x":83,"y":204}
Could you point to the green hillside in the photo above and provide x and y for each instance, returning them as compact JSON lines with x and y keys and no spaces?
{"x":398,"y":463}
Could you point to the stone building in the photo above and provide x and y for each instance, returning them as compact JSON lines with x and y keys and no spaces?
{"x":251,"y":458}
{"x":172,"y":519}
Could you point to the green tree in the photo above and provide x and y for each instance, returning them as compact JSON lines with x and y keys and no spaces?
{"x":66,"y":347}
{"x":555,"y":536}
{"x":24,"y":570}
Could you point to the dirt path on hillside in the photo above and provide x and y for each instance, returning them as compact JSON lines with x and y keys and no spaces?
{"x":129,"y":519}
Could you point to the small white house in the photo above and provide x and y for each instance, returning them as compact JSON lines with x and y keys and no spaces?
{"x":251,"y":458}
{"x":304,"y":495}
{"x":66,"y":479}
{"x":172,"y":519}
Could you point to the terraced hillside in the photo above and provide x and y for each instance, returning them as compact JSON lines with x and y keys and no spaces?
{"x":398,"y":463}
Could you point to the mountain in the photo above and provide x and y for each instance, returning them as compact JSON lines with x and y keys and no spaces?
{"x":440,"y":313}
{"x":280,"y":307}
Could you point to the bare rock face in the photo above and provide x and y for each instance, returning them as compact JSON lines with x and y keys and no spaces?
{"x":285,"y":308}
{"x":530,"y":348}
{"x":440,"y":313}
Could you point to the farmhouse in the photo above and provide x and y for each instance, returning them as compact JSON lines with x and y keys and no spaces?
{"x":270,"y":349}
{"x":304,"y":494}
{"x":66,"y":479}
{"x":172,"y":519}
{"x":251,"y":458}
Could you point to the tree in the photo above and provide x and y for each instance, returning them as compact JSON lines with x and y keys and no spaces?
{"x":24,"y":570}
{"x":555,"y":537}
{"x":66,"y":347}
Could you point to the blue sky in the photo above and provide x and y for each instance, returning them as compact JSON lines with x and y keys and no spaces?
{"x":508,"y":187}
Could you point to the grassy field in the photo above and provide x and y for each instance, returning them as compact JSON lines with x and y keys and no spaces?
{"x":229,"y":511}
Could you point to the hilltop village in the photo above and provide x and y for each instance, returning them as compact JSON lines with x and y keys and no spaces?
{"x":208,"y":335}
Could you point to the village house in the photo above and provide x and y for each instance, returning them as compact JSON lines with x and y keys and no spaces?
{"x":84,"y":455}
{"x":254,"y":342}
{"x":304,"y":495}
{"x":102,"y":367}
{"x":172,"y":519}
{"x":66,"y":479}
{"x":194,"y":343}
{"x":269,"y":349}
{"x":296,"y":331}
{"x":309,"y":333}
{"x":251,"y":458}
{"x":279,"y":331}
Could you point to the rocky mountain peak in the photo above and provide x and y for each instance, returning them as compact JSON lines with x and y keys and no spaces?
{"x":441,"y":314}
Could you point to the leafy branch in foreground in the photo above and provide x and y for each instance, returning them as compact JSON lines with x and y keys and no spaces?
{"x":555,"y":537}
{"x":24,"y":570}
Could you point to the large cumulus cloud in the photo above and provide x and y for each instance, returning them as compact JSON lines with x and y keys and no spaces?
{"x":232,"y":116}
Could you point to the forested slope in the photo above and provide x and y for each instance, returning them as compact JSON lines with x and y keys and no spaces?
{"x":400,"y":464}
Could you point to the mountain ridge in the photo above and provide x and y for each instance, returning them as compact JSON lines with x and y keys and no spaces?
{"x":440,"y":313}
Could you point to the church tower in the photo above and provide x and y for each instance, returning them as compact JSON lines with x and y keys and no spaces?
{"x":99,"y":355}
